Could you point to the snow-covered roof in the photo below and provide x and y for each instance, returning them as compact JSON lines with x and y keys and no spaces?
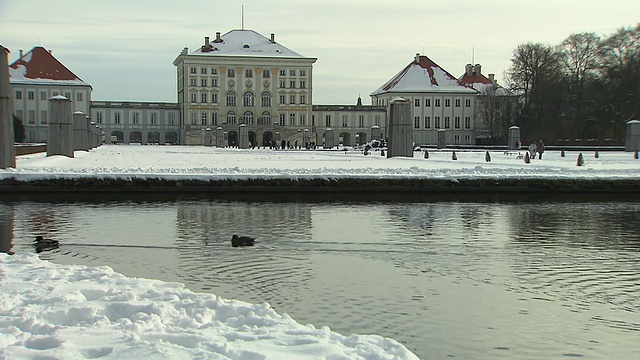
{"x":473,"y":77}
{"x":423,"y":75}
{"x":40,"y":67}
{"x":244,"y":43}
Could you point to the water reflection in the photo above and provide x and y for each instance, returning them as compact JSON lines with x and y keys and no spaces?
{"x":484,"y":278}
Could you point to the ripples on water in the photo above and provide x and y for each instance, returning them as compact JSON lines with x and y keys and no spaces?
{"x":449,"y":279}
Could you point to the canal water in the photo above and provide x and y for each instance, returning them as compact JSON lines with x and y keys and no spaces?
{"x":465,"y":278}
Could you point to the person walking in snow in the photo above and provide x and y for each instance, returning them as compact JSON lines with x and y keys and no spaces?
{"x":540,"y":149}
{"x":533,"y":148}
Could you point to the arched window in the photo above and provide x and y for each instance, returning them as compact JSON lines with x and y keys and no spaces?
{"x":231,"y":98}
{"x":248,"y":118}
{"x":248,"y":98}
{"x":266,"y":118}
{"x":266,"y":99}
{"x":231,"y":118}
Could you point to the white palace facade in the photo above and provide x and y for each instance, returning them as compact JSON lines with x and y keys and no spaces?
{"x":244,"y":81}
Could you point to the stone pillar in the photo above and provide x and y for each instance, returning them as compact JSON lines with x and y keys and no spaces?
{"x":400,"y":130}
{"x":277,"y":137}
{"x":89,"y":135}
{"x":514,"y":138}
{"x":80,"y":131}
{"x":305,"y":138}
{"x":60,"y":131}
{"x":442,"y":139}
{"x":632,"y":138}
{"x":208,"y":137}
{"x":243,"y":134}
{"x":375,"y":133}
{"x":328,"y":138}
{"x":7,"y":144}
{"x":220,"y":137}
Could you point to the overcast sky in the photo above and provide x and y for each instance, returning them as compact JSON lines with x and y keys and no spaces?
{"x":125,"y":49}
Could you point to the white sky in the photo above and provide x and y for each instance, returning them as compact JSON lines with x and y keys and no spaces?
{"x":125,"y":49}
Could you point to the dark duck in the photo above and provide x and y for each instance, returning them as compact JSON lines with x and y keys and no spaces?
{"x":242,"y":241}
{"x":43,"y":244}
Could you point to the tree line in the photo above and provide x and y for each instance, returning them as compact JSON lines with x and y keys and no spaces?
{"x":586,"y":87}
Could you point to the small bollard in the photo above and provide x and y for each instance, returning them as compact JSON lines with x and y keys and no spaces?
{"x":426,"y":154}
{"x":580,"y":161}
{"x":487,"y":157}
{"x":527,"y":158}
{"x":454,"y":156}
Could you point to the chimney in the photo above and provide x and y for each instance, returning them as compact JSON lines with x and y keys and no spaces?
{"x":468,"y":69}
{"x":273,"y":38}
{"x":206,"y":41}
{"x":492,"y":78}
{"x":477,"y":69}
{"x":417,"y":58}
{"x":218,"y":39}
{"x":21,"y":54}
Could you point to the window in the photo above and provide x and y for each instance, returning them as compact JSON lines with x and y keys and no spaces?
{"x":437,"y":104}
{"x":427,"y":102}
{"x":436,"y":122}
{"x":292,"y":119}
{"x":377,"y":120}
{"x":361,"y":120}
{"x":203,"y":98}
{"x":18,"y":95}
{"x":193,"y":70}
{"x":456,"y":122}
{"x":31,"y":95}
{"x":416,"y":122}
{"x":116,"y":118}
{"x":203,"y":82}
{"x":467,"y":122}
{"x":214,"y":98}
{"x":266,"y":118}
{"x":282,"y":100}
{"x":99,"y":117}
{"x":231,"y":118}
{"x":447,"y":102}
{"x":248,"y":98}
{"x":345,"y":120}
{"x":67,"y":95}
{"x":292,"y":73}
{"x":303,"y":99}
{"x":203,"y":70}
{"x":266,"y":74}
{"x":292,"y":99}
{"x":283,"y":73}
{"x":467,"y":139}
{"x":194,"y":118}
{"x":214,"y":71}
{"x":79,"y":97}
{"x":231,"y":98}
{"x":457,"y":102}
{"x":266,"y":99}
{"x":283,"y":117}
{"x":154,"y":118}
{"x":303,"y":119}
{"x":214,"y":82}
{"x":427,"y":122}
{"x":43,"y":95}
{"x":456,"y":139}
{"x":292,"y":84}
{"x":31,"y":120}
{"x":231,"y":73}
{"x":303,"y":72}
{"x":327,"y":121}
{"x":214,"y":118}
{"x":303,"y":84}
{"x":248,"y":73}
{"x":416,"y":102}
{"x":282,"y":84}
{"x":194,"y":97}
{"x":43,"y":117}
{"x":136,"y":118}
{"x":467,"y":102}
{"x":194,"y":82}
{"x":203,"y":117}
{"x":447,"y":122}
{"x":172,"y":118}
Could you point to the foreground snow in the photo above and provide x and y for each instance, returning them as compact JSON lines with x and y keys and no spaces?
{"x":184,"y":162}
{"x":78,"y":312}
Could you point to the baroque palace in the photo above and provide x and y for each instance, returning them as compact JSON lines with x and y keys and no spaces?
{"x":245,"y":84}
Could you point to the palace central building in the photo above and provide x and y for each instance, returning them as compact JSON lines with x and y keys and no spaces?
{"x":244,"y":78}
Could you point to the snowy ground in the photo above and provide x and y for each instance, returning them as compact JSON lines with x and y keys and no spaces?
{"x":171,"y":162}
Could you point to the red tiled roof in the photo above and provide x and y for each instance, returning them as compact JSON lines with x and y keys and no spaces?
{"x":41,"y":64}
{"x":475,"y":79}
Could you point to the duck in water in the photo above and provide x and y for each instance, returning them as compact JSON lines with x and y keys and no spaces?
{"x":43,"y":244}
{"x":242,"y":241}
